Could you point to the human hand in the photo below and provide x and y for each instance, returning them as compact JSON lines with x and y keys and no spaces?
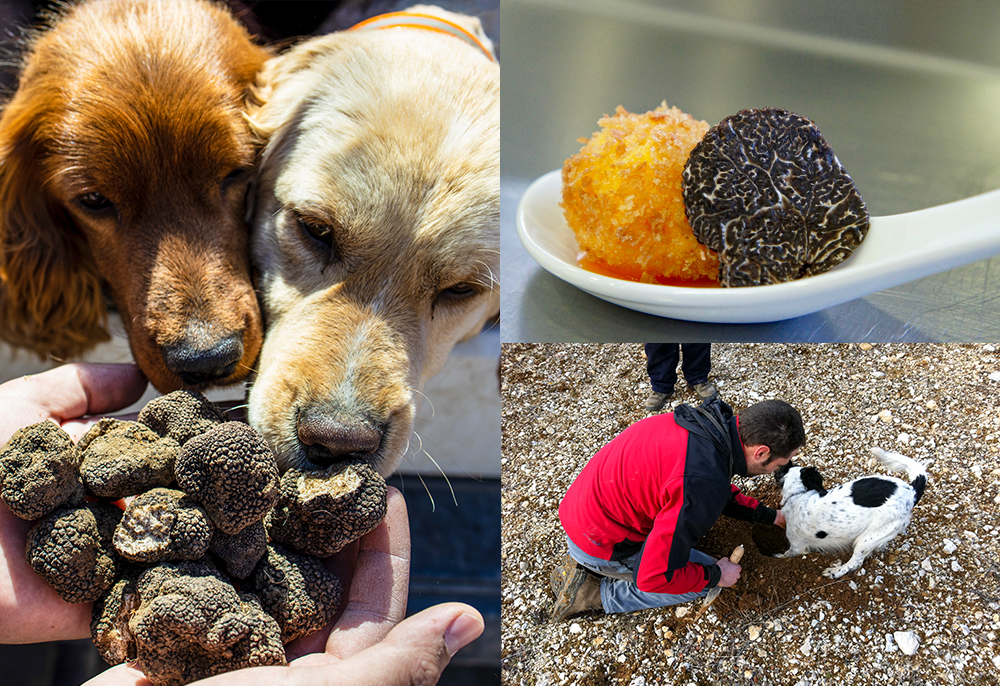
{"x":366,"y":643}
{"x":779,"y":519}
{"x":30,"y":611}
{"x":730,"y":572}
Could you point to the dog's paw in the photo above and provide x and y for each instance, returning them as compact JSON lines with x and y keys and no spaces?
{"x":836,"y":571}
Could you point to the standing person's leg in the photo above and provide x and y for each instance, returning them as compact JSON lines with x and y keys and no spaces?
{"x":661,"y":366}
{"x":696,"y":364}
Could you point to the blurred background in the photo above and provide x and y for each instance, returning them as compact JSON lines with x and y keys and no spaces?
{"x":905,"y":92}
{"x":450,"y":477}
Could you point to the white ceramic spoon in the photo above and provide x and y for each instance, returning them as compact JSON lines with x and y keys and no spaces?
{"x":897,"y":249}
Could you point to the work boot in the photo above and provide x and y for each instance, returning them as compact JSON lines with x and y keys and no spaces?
{"x":656,"y":401}
{"x":581,"y":593}
{"x":705,"y":390}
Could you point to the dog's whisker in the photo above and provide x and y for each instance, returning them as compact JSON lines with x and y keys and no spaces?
{"x":446,"y":479}
{"x":427,"y":398}
{"x":429,"y":495}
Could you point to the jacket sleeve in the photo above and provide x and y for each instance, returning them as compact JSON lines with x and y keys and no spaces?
{"x":662,"y":565}
{"x":748,"y":509}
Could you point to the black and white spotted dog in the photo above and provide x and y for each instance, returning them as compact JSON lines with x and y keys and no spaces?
{"x":862,"y":515}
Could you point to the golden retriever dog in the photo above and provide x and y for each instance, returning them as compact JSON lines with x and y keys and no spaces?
{"x":375,"y":229}
{"x":124,"y":160}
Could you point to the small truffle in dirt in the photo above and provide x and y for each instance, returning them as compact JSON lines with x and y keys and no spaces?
{"x":109,"y":620}
{"x":297,"y":590}
{"x":40,"y":471}
{"x":122,"y":458}
{"x":71,"y":549}
{"x":232,"y":472}
{"x":241,"y":551}
{"x":163,"y":525}
{"x":191,"y":627}
{"x":181,"y":415}
{"x":321,"y":511}
{"x":765,"y":191}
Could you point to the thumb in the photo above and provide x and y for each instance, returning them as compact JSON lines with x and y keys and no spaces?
{"x":416,"y":651}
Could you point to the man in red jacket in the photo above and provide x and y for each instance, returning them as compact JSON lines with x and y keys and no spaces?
{"x":635,"y":512}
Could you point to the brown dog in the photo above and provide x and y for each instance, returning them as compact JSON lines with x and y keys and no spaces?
{"x":123,"y":160}
{"x":376,"y":231}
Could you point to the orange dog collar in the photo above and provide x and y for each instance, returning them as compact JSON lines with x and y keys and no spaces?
{"x":409,"y":20}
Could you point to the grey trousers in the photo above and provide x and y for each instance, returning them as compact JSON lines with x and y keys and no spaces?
{"x":620,"y":594}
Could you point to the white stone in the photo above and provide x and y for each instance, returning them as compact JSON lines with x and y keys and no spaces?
{"x":890,"y":647}
{"x":930,"y":405}
{"x":926,"y":564}
{"x":949,"y":546}
{"x":878,"y":375}
{"x":638,"y":681}
{"x":754,"y":633}
{"x":995,"y":376}
{"x":955,"y":567}
{"x":806,"y":648}
{"x":885,"y":416}
{"x":903,"y":438}
{"x":575,"y":628}
{"x":681,"y":611}
{"x":907,"y":641}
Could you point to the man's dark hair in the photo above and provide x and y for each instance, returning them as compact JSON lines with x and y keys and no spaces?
{"x":773,"y":423}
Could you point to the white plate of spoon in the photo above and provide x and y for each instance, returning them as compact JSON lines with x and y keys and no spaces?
{"x":897,"y":249}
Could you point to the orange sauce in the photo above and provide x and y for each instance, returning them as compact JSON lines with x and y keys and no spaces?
{"x":592,"y":264}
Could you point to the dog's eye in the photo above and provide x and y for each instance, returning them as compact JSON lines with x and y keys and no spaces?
{"x":231,"y":178}
{"x":320,"y":233}
{"x":95,"y":202}
{"x":459,"y":291}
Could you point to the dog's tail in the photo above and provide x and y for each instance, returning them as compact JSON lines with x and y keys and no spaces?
{"x":901,"y":463}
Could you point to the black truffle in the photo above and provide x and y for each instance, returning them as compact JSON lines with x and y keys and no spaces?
{"x":122,"y":458}
{"x":297,"y":590}
{"x":71,"y":549}
{"x":163,"y":525}
{"x":240,"y":552}
{"x":40,"y":471}
{"x":181,"y":415}
{"x":231,"y":472}
{"x":764,"y":190}
{"x":191,"y":625}
{"x":319,"y":512}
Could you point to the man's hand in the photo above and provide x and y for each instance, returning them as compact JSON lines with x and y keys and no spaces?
{"x":30,"y":611}
{"x":779,"y":519}
{"x":730,"y":572}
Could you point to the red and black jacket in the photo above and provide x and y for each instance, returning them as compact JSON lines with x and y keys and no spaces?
{"x":656,"y":489}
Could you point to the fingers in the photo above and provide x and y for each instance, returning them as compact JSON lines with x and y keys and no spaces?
{"x":74,"y":390}
{"x":415,"y":652}
{"x":376,"y":598}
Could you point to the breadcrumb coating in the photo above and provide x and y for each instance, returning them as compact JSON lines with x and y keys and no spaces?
{"x":622,"y":197}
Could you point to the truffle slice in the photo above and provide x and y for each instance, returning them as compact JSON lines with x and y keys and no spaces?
{"x":191,"y":627}
{"x":40,"y":471}
{"x":765,"y":191}
{"x":109,"y":621}
{"x":319,"y":512}
{"x":232,"y":472}
{"x":71,"y":549}
{"x":297,"y":590}
{"x":241,"y":551}
{"x":181,"y":415}
{"x":163,"y":525}
{"x":124,"y":458}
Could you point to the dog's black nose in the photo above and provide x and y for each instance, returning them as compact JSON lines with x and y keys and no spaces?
{"x":197,"y":365}
{"x":331,"y":436}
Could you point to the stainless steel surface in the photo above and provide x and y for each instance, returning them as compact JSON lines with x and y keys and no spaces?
{"x":906,"y":93}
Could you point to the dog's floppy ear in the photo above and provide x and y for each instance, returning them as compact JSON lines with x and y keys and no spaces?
{"x":50,"y":290}
{"x":812,"y":479}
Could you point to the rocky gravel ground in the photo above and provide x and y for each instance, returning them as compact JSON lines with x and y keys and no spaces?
{"x":925,"y":610}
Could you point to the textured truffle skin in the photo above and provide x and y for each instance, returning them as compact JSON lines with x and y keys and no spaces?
{"x":40,"y":471}
{"x":109,"y":620}
{"x":231,"y":472}
{"x":297,"y":590}
{"x":121,"y":458}
{"x":319,"y":512}
{"x":163,"y":525}
{"x":71,"y":549}
{"x":241,"y":551}
{"x":191,"y":627}
{"x":181,"y":415}
{"x":765,"y":191}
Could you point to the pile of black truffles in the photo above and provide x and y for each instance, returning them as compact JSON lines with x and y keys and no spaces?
{"x":214,"y":564}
